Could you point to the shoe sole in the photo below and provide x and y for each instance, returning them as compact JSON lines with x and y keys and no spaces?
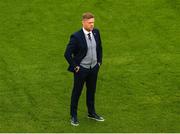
{"x":95,"y":119}
{"x":74,"y":124}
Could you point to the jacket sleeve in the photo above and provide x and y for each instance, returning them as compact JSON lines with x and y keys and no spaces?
{"x":100,"y":51}
{"x":70,"y":50}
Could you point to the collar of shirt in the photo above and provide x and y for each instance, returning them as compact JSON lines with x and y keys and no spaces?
{"x":86,"y":32}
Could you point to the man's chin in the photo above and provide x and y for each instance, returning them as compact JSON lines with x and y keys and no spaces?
{"x":91,"y":29}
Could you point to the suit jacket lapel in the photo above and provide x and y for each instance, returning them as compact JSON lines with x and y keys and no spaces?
{"x":83,"y":38}
{"x":95,"y":36}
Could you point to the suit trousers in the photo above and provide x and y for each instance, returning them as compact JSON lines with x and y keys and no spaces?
{"x":88,"y":76}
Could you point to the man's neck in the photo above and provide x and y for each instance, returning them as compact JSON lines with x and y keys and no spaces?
{"x":86,"y":31}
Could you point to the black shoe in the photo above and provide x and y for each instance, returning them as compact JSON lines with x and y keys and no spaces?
{"x":74,"y":121}
{"x":95,"y":117}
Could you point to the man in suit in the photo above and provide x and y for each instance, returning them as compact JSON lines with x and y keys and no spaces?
{"x":84,"y":55}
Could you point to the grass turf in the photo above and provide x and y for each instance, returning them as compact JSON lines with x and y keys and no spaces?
{"x":139,"y":81}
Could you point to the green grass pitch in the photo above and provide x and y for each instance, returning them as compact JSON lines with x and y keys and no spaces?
{"x":139,"y":82}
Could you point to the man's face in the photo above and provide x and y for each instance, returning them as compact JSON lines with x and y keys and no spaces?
{"x":88,"y":24}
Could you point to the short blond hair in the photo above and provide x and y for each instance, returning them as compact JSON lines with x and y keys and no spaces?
{"x":87,"y":15}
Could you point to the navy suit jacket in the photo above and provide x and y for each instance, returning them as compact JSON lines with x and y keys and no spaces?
{"x":77,"y":48}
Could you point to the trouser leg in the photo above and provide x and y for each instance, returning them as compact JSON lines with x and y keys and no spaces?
{"x":79,"y":79}
{"x":91,"y":89}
